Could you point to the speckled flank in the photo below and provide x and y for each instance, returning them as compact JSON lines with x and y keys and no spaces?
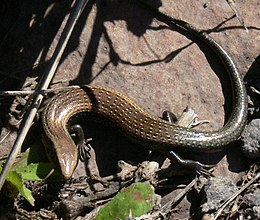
{"x":133,"y":120}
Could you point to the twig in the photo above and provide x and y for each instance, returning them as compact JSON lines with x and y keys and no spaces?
{"x":235,"y":195}
{"x":2,"y":140}
{"x":232,"y":5}
{"x":30,"y":92}
{"x":166,"y":208}
{"x":43,"y":85}
{"x":171,"y":203}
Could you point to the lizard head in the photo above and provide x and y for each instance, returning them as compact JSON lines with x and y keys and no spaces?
{"x":63,"y":154}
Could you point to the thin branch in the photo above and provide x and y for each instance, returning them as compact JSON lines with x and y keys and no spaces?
{"x":42,"y":92}
{"x":173,"y":202}
{"x":235,"y":195}
{"x":232,"y":5}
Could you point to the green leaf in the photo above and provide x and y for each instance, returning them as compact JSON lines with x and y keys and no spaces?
{"x":134,"y":201}
{"x":30,"y":167}
{"x":35,"y":171}
{"x":15,"y":179}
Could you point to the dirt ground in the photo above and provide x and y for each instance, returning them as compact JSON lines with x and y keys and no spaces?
{"x":119,"y":45}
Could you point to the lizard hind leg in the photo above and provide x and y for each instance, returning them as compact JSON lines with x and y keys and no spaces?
{"x":185,"y":163}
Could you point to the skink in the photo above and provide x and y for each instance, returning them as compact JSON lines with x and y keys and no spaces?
{"x":152,"y":132}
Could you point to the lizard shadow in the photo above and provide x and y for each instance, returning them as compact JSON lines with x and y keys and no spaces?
{"x":108,"y":11}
